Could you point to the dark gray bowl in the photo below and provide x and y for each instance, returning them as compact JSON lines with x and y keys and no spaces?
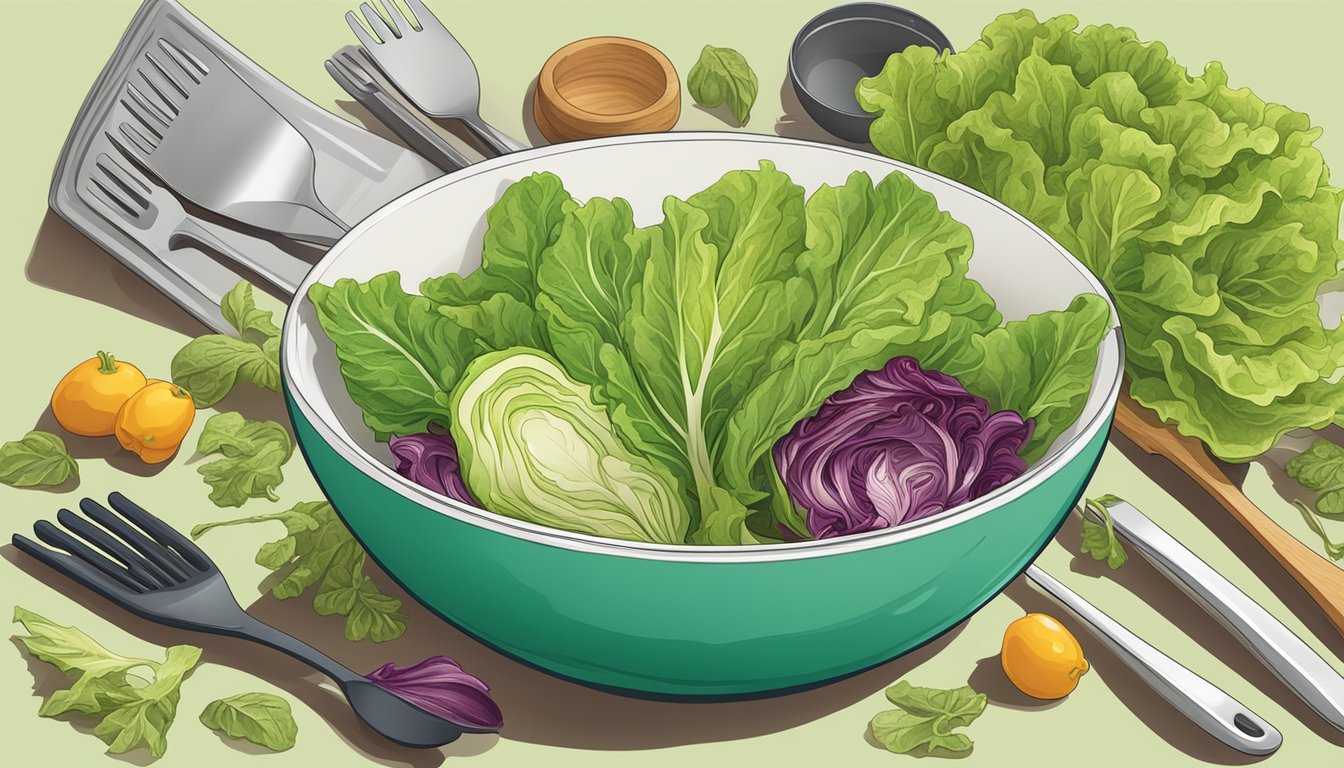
{"x":838,"y":47}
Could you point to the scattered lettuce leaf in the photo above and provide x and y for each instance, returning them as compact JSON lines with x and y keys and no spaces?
{"x":1099,"y":539}
{"x":261,"y":718}
{"x":318,"y":550}
{"x":1321,"y":469}
{"x":1206,"y":211}
{"x":722,"y":75}
{"x":131,"y":710}
{"x":38,"y":458}
{"x":209,"y":366}
{"x":927,"y":717}
{"x":253,"y":452}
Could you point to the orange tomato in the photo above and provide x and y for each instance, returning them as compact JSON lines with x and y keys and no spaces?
{"x":1041,"y":657}
{"x":154,"y":420}
{"x":87,"y":399}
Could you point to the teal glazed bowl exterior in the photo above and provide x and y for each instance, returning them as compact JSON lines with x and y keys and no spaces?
{"x":680,"y":620}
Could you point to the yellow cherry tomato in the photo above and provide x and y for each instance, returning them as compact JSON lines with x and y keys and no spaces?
{"x":1041,"y":657}
{"x":87,"y":399}
{"x":154,"y":420}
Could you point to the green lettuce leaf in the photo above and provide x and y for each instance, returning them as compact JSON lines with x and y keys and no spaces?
{"x":1099,"y":539}
{"x":716,"y":296}
{"x":1321,"y":469}
{"x":521,"y":227}
{"x":261,"y":718}
{"x":131,"y":710}
{"x":1206,"y":211}
{"x":38,"y":458}
{"x":722,"y":76}
{"x":399,"y":356}
{"x":927,"y":717}
{"x":253,"y":452}
{"x":1041,"y":367}
{"x":209,"y":366}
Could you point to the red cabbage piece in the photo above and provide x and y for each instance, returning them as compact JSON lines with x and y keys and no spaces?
{"x":431,"y":461}
{"x":441,"y":687}
{"x":899,"y":444}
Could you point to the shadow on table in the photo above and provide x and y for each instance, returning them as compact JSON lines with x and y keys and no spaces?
{"x":64,"y":260}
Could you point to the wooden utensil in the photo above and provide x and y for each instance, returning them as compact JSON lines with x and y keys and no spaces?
{"x":1320,"y":578}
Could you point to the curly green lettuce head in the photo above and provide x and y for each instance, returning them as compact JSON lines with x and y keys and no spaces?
{"x":534,"y":446}
{"x":1206,"y":211}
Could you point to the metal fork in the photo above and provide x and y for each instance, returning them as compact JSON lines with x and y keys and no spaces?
{"x":123,"y":195}
{"x":221,"y":146}
{"x":427,"y":64}
{"x":145,"y":566}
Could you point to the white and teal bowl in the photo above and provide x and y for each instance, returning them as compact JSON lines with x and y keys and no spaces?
{"x":682,"y":620}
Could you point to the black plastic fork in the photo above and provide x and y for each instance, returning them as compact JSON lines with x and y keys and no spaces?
{"x":145,"y":566}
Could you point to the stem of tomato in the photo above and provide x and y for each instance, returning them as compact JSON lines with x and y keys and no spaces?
{"x":106,"y":363}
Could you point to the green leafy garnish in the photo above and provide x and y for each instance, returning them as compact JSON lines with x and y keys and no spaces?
{"x":131,"y":709}
{"x":1321,"y":468}
{"x":319,"y":550}
{"x":1099,"y":539}
{"x":926,"y":719}
{"x":209,"y":366}
{"x":39,"y":458}
{"x":722,"y":75}
{"x":253,"y":453}
{"x":261,"y":718}
{"x":1335,"y":551}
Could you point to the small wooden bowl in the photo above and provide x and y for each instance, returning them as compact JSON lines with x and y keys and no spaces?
{"x":606,"y":86}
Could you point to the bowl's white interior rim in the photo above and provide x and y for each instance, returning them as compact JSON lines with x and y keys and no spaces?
{"x":297,"y":373}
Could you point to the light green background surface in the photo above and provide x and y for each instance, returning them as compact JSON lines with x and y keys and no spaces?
{"x":61,"y":299}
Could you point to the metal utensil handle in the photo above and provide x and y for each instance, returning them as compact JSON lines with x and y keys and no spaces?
{"x":1205,"y":704}
{"x":1293,"y":661}
{"x":498,"y":141}
{"x":278,"y":267}
{"x":392,"y":113}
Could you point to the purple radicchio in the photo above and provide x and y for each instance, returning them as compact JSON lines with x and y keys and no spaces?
{"x":431,"y":461}
{"x":442,"y":688}
{"x":899,"y":444}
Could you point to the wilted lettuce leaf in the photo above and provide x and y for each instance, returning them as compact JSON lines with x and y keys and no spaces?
{"x":1321,"y":469}
{"x":253,"y":452}
{"x":129,"y":713}
{"x":319,"y":550}
{"x":1205,"y":210}
{"x":927,"y":717}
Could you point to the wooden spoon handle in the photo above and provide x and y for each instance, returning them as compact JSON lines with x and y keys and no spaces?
{"x":1323,"y":580}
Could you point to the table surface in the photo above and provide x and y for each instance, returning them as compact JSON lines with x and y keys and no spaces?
{"x":61,"y":299}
